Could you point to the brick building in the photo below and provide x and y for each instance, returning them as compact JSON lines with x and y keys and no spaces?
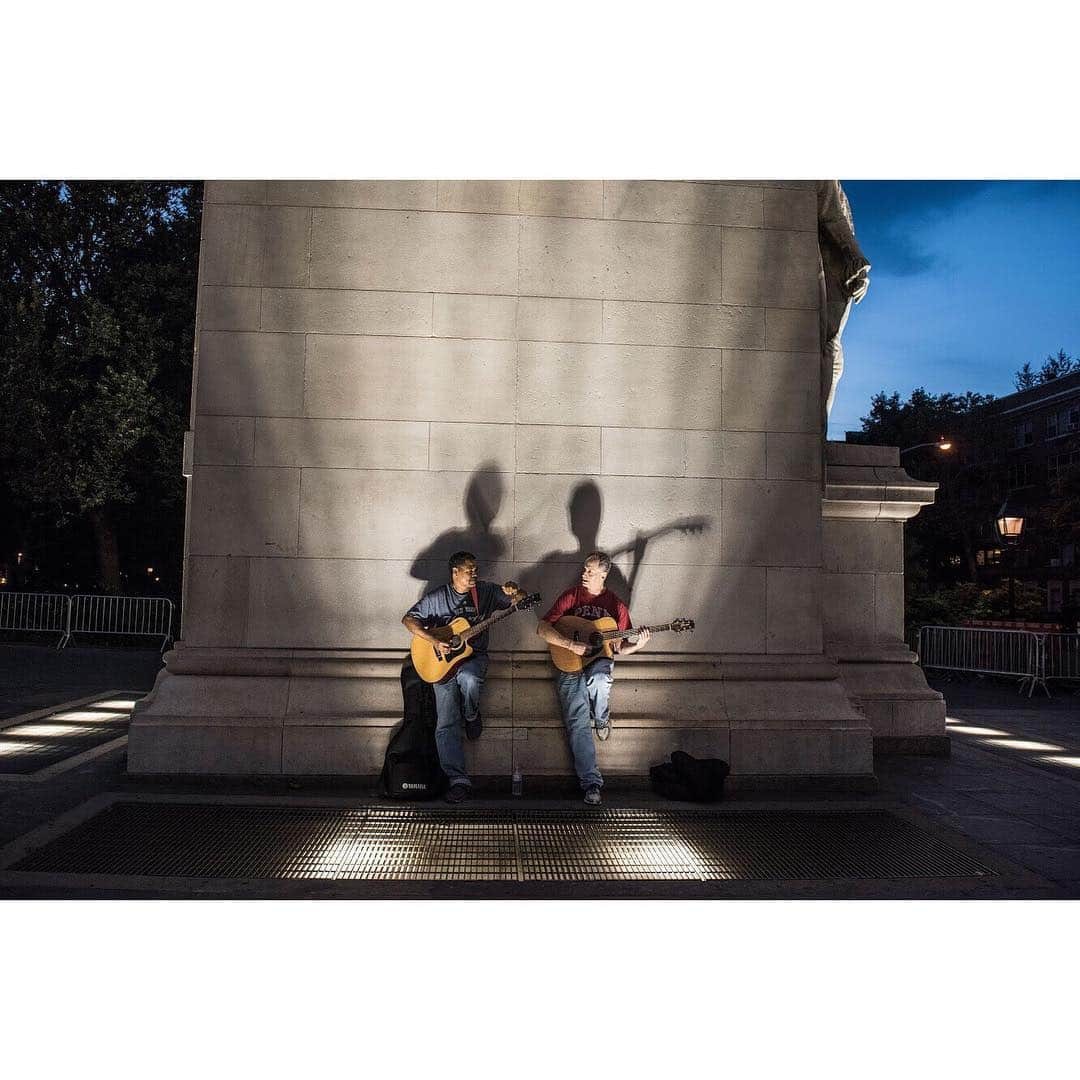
{"x":1038,"y":469}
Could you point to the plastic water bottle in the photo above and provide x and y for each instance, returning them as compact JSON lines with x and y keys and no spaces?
{"x":516,"y":781}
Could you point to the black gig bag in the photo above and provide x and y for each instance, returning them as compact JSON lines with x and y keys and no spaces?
{"x":411,"y":766}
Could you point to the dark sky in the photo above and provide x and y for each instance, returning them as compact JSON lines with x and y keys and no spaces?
{"x":970,"y":279}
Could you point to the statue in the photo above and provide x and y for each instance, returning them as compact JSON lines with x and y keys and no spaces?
{"x":844,"y":273}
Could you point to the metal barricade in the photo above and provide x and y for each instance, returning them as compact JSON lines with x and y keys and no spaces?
{"x":28,"y":611}
{"x":128,"y":616}
{"x":1061,"y":656}
{"x":1014,"y":653}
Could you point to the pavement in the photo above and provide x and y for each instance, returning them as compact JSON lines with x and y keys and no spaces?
{"x":1009,"y":795}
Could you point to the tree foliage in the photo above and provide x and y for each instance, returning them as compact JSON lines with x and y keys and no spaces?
{"x":942,"y":540}
{"x":97,"y":306}
{"x":1053,"y":368}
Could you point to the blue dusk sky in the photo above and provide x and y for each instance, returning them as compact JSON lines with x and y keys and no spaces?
{"x":969,"y":280}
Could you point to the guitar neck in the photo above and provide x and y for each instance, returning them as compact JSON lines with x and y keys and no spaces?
{"x":612,"y":635}
{"x":480,"y":627}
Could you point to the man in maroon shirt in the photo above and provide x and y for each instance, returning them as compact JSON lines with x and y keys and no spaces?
{"x":584,"y":696}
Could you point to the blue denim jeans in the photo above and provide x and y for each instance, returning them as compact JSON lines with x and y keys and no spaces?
{"x":584,"y":700}
{"x":458,"y":700}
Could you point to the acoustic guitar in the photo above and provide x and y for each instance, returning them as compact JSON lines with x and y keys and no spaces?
{"x":598,"y":634}
{"x":431,"y":667}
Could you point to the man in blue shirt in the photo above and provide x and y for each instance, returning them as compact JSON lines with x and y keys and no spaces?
{"x":458,"y":698}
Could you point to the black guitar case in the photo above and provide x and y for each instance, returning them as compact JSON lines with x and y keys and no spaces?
{"x":411,"y":765}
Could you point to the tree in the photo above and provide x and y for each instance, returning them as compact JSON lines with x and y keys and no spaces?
{"x":97,"y":313}
{"x":1053,"y":368}
{"x":970,"y":489}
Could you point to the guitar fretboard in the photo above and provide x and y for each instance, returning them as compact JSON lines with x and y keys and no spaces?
{"x":611,"y":635}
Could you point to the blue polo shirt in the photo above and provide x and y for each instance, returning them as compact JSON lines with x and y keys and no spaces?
{"x":442,"y":605}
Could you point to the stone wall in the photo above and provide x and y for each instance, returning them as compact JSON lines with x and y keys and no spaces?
{"x":388,"y":371}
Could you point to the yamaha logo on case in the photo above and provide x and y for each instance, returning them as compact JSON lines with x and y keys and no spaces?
{"x":413,"y":787}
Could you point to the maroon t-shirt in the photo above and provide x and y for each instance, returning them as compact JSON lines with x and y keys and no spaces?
{"x":577,"y":601}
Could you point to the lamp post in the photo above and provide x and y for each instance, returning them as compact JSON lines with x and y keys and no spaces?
{"x":941,"y":444}
{"x":1010,"y":528}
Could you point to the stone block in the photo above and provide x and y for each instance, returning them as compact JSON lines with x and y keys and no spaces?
{"x":243,"y":511}
{"x":341,"y":444}
{"x":542,"y":751}
{"x":478,"y":196}
{"x":794,"y":610}
{"x":889,"y":606}
{"x":463,"y":446}
{"x":821,"y":751}
{"x":557,"y":449}
{"x":463,"y":316}
{"x":770,"y":267}
{"x":678,"y":263}
{"x":729,"y":454}
{"x":226,"y":307}
{"x":250,"y":374}
{"x":234,"y":746}
{"x":362,"y":700}
{"x":563,"y":257}
{"x":381,"y":514}
{"x":670,"y":452}
{"x":224,"y":440}
{"x":683,"y":202}
{"x":255,"y":245}
{"x":545,"y":318}
{"x":286,"y":246}
{"x":620,"y":260}
{"x":571,"y":384}
{"x":338,"y":750}
{"x":697,"y":325}
{"x":787,"y":208}
{"x":850,"y":545}
{"x":793,"y":456}
{"x":562,"y":198}
{"x":727,"y":604}
{"x":847,"y":608}
{"x":789,"y":330}
{"x":414,"y":252}
{"x":232,"y":245}
{"x":297,"y":603}
{"x":399,"y":378}
{"x":630,"y":505}
{"x":771,"y":523}
{"x":768,"y":391}
{"x":859,"y":456}
{"x":357,"y":194}
{"x":234,"y":191}
{"x":215,"y":601}
{"x":218,"y":697}
{"x":346,"y":311}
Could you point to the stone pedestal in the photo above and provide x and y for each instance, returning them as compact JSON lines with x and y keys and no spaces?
{"x":868,"y":497}
{"x":387,"y":372}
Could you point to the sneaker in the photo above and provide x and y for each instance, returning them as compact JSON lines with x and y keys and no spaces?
{"x":473,"y":728}
{"x":592,"y":796}
{"x":458,"y":793}
{"x":603,"y":731}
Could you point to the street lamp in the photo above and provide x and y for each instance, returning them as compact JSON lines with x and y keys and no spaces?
{"x":1010,"y":528}
{"x":941,"y":444}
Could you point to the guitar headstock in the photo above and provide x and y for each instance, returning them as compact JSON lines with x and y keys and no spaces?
{"x":527,"y":602}
{"x":680,"y":626}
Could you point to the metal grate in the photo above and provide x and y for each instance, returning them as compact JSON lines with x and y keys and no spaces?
{"x":179,"y":839}
{"x":36,"y":744}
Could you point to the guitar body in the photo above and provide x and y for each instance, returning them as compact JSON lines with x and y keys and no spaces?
{"x":588,"y":631}
{"x":429,"y":666}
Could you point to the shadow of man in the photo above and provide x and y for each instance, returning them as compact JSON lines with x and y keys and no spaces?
{"x":558,"y":570}
{"x":483,"y":499}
